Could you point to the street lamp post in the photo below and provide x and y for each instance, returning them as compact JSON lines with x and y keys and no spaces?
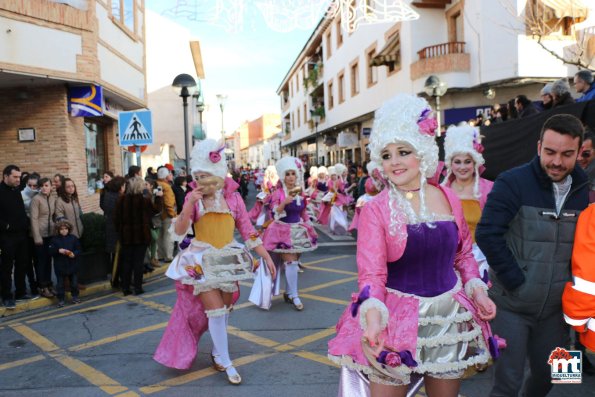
{"x":436,"y":88}
{"x":316,"y":119}
{"x":222,"y":99}
{"x":200,"y":107}
{"x":181,"y":84}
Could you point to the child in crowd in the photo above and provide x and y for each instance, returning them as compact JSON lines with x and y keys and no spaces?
{"x":65,"y":248}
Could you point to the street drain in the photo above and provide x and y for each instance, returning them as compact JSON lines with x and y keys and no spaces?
{"x":17,"y":344}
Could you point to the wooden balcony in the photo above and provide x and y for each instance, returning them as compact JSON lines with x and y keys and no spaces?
{"x":441,"y":58}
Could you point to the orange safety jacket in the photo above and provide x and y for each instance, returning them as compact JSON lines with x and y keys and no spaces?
{"x":578,"y":299}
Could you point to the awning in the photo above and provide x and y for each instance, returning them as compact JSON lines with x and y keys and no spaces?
{"x":576,"y":9}
{"x":391,"y":53}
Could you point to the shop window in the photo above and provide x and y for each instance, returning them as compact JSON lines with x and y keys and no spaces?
{"x":341,"y":86}
{"x":95,"y":154}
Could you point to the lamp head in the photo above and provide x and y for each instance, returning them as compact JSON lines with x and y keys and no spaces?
{"x":182,"y":83}
{"x":435,"y":87}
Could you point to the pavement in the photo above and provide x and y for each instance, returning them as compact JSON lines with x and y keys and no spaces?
{"x":104,"y":346}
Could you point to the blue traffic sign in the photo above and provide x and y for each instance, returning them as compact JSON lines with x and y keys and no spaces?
{"x":135,"y":128}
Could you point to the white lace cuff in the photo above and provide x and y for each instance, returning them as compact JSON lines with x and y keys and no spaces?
{"x":472,"y":284}
{"x":251,"y":244}
{"x":373,"y":303}
{"x":172,"y":231}
{"x":279,"y":215}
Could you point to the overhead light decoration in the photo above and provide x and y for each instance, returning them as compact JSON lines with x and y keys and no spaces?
{"x":367,"y":12}
{"x":287,"y":15}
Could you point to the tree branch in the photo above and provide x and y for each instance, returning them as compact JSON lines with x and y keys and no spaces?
{"x":578,"y":62}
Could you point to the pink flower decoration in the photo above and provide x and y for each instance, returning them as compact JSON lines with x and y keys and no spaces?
{"x":298,"y":164}
{"x":428,"y":126}
{"x":215,"y":157}
{"x":393,"y":359}
{"x":501,"y":342}
{"x":478,"y":147}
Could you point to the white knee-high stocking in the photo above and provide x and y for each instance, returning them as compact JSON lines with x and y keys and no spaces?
{"x":218,"y":331}
{"x":291,"y":276}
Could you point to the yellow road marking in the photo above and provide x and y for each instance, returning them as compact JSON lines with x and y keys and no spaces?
{"x":329,"y":284}
{"x":24,"y":361}
{"x":118,"y":337}
{"x":196,"y":375}
{"x":315,"y":357}
{"x":154,"y":305}
{"x":324,"y":269}
{"x":87,"y":372}
{"x":92,"y":375}
{"x":259,"y":340}
{"x":69,"y":313}
{"x":324,"y":299}
{"x":326,"y":260}
{"x":313,"y":337}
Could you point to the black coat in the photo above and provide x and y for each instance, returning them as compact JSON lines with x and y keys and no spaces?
{"x":108,"y":206}
{"x":13,"y":218}
{"x":62,"y":263}
{"x":133,"y":218}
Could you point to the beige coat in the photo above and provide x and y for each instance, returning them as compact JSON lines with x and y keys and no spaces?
{"x":72,"y":212}
{"x":42,"y":217}
{"x":169,"y":200}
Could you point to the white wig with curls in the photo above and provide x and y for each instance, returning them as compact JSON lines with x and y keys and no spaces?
{"x":208,"y":156}
{"x":463,"y":140}
{"x":406,"y":119}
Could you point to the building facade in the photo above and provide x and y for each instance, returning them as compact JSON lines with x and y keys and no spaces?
{"x":66,"y":69}
{"x":255,"y":138}
{"x":330,"y":93}
{"x":171,"y":51}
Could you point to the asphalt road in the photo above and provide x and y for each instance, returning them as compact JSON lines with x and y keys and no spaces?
{"x":104,"y":346}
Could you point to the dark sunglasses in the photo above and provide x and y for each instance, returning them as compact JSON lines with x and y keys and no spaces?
{"x":586,"y":154}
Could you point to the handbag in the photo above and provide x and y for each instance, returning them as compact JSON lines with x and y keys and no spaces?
{"x":262,"y":289}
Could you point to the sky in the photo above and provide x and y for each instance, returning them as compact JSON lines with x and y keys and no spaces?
{"x":243,"y":58}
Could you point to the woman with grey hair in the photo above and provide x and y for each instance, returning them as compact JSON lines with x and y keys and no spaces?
{"x":133,"y":214}
{"x":561,"y":93}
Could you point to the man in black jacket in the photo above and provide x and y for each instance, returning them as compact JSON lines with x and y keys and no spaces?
{"x":526,"y":232}
{"x":14,"y":225}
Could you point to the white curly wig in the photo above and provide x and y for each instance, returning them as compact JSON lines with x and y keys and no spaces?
{"x":462,"y":140}
{"x":332,"y":171}
{"x":270,"y":175}
{"x":340,"y":168}
{"x":322,"y":170}
{"x":406,"y":119}
{"x":396,"y":121}
{"x":203,"y":158}
{"x":290,"y":164}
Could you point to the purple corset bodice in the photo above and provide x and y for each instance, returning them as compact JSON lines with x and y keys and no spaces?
{"x":427,"y":265}
{"x":294,"y":211}
{"x":322,"y":187}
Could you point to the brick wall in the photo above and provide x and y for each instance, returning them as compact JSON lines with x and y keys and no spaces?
{"x":59,"y":146}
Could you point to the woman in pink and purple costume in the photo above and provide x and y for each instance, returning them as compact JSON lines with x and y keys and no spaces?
{"x":291,"y":232}
{"x":373,"y":186}
{"x":422,"y":308}
{"x":263,"y":198}
{"x":207,"y":271}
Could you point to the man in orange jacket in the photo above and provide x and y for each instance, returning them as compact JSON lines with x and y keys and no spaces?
{"x":578,"y":299}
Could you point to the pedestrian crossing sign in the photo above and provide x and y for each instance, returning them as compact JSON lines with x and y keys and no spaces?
{"x":135,"y":128}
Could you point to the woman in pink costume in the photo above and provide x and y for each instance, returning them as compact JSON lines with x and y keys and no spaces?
{"x":422,"y":308}
{"x":207,"y":271}
{"x":464,"y":162}
{"x":262,"y":207}
{"x":373,"y":186}
{"x":291,"y":233}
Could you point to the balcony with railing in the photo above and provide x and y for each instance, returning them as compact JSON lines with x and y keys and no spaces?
{"x":441,"y":58}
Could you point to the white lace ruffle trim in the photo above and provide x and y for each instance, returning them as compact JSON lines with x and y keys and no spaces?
{"x":373,"y":303}
{"x":475,"y":283}
{"x":251,"y":244}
